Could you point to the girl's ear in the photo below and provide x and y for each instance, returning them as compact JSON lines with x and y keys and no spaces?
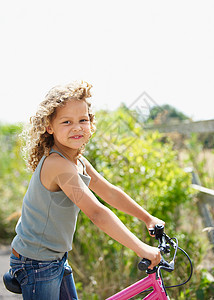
{"x":49,"y":129}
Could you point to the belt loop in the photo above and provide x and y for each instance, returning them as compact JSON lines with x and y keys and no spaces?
{"x":23,"y":258}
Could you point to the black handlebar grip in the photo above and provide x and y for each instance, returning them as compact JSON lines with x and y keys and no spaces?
{"x":144,"y":264}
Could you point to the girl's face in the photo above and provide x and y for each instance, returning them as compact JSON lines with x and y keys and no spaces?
{"x":71,"y":125}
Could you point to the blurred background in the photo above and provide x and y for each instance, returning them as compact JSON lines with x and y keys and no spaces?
{"x":151,"y":65}
{"x":122,"y":48}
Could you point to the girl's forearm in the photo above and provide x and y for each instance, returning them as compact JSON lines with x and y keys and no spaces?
{"x":108,"y":222}
{"x":123,"y":202}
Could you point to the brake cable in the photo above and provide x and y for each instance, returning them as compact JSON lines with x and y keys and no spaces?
{"x":191,"y":271}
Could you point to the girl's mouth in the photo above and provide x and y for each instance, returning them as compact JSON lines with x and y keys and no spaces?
{"x":76,"y":137}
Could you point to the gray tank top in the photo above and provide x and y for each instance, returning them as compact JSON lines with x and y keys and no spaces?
{"x":46,"y":227}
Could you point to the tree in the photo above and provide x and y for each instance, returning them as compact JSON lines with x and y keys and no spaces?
{"x":165,"y":113}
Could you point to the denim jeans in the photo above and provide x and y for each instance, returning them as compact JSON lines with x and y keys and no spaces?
{"x":43,"y":280}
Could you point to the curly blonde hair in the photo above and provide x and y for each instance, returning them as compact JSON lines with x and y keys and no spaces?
{"x":38,"y":140}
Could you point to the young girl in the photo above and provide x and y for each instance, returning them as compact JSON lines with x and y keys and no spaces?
{"x":60,"y":186}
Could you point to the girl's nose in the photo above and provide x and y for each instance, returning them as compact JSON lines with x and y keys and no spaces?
{"x":76,"y":126}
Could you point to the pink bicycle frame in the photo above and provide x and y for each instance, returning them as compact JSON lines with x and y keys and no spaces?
{"x":158,"y":292}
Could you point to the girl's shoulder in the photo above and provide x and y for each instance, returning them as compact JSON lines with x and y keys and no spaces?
{"x":91,"y":171}
{"x":54,"y":166}
{"x":56,"y":162}
{"x":85,"y":161}
{"x":88,"y":166}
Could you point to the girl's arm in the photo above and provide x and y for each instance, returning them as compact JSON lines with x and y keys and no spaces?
{"x":70,"y":182}
{"x":117,"y":198}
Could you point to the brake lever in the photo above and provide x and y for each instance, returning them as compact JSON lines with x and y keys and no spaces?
{"x":165,"y":265}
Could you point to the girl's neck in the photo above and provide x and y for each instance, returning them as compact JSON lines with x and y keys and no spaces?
{"x":71,"y":154}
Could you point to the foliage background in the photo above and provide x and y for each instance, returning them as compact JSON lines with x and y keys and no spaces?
{"x":145,"y":166}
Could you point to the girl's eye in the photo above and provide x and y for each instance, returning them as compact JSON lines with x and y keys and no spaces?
{"x":82,"y":121}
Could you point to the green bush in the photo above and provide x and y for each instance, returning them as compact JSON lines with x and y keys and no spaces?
{"x":13,"y":179}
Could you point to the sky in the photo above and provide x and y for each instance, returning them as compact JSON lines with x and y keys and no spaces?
{"x":123,"y":48}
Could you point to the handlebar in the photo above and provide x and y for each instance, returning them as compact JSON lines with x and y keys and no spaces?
{"x":164,"y":248}
{"x":145,"y":263}
{"x":164,"y":245}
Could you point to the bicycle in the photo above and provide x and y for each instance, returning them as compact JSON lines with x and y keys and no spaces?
{"x":154,"y":280}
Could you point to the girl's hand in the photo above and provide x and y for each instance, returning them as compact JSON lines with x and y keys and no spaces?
{"x":153,"y":254}
{"x":152,"y":222}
